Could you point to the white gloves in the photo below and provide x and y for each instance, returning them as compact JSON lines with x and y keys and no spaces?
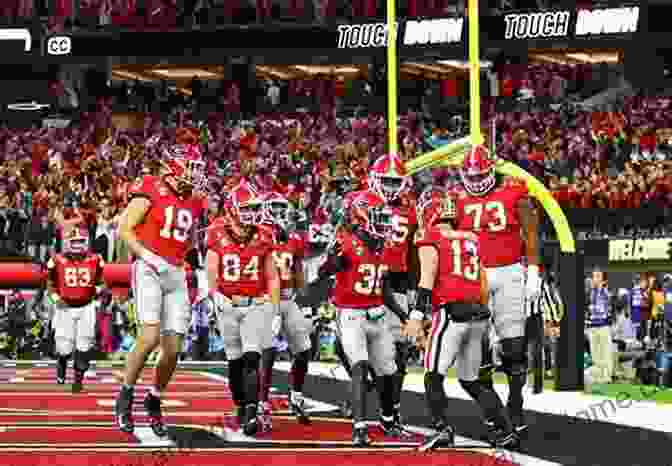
{"x":202,"y":281}
{"x":220,"y":301}
{"x":157,"y":263}
{"x":277,"y":324}
{"x":307,"y":312}
{"x":532,"y":283}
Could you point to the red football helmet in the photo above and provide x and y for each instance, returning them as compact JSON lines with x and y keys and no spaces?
{"x":388,"y":177}
{"x":369,"y":211}
{"x":436,"y":207}
{"x":478,"y":171}
{"x":186,"y":169}
{"x":76,"y":240}
{"x":277,"y":210}
{"x":245,"y":205}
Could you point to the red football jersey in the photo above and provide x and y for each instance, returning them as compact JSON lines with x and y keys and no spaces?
{"x":494,"y":218}
{"x":286,"y":256}
{"x":75,"y":279}
{"x":168,"y":226}
{"x":458,"y":278}
{"x":241,"y":265}
{"x":360,"y":286}
{"x":396,"y":249}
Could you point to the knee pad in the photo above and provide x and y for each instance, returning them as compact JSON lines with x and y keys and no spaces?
{"x":251,"y":361}
{"x":401,"y":356}
{"x":514,"y":356}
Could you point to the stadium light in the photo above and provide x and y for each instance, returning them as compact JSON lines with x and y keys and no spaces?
{"x":27,"y":106}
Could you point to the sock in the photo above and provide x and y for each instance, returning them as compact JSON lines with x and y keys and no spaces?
{"x":266,"y":373}
{"x":386,"y":386}
{"x":297,"y":374}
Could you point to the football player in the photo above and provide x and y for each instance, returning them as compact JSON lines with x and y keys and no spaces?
{"x":245,"y":288}
{"x":295,"y":323}
{"x":500,"y":211}
{"x":159,"y":225}
{"x":453,"y":292}
{"x":360,"y":293}
{"x":388,"y":179}
{"x":74,"y":276}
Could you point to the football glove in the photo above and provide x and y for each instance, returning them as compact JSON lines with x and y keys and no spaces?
{"x":422,"y":307}
{"x":158,"y":264}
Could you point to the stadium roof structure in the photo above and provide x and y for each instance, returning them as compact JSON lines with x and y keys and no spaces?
{"x":181,"y":75}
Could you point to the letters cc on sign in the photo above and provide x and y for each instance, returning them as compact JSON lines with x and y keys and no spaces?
{"x":59,"y":45}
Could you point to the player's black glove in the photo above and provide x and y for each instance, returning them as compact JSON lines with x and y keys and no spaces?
{"x":422,"y":307}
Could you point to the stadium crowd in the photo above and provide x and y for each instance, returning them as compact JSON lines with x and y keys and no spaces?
{"x":167,"y":13}
{"x":614,"y":158}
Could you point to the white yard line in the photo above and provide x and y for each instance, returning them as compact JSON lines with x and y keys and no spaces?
{"x":640,"y":414}
{"x":148,"y":438}
{"x":329,"y":370}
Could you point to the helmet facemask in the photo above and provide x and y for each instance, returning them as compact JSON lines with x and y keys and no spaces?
{"x":280,"y":213}
{"x":380,"y":221}
{"x":390,"y":187}
{"x":250,"y":213}
{"x":478,"y":183}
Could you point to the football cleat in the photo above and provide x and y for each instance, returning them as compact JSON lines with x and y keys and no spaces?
{"x":264,"y":416}
{"x":250,"y":422}
{"x":122,"y":411}
{"x":153,"y":408}
{"x":508,"y":440}
{"x":297,"y":405}
{"x":490,"y":430}
{"x":443,"y":437}
{"x":360,"y":437}
{"x":391,"y":426}
{"x":346,"y":409}
{"x":61,"y":371}
{"x":519,"y":423}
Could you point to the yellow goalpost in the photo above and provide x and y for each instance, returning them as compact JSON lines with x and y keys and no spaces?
{"x":453,"y":154}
